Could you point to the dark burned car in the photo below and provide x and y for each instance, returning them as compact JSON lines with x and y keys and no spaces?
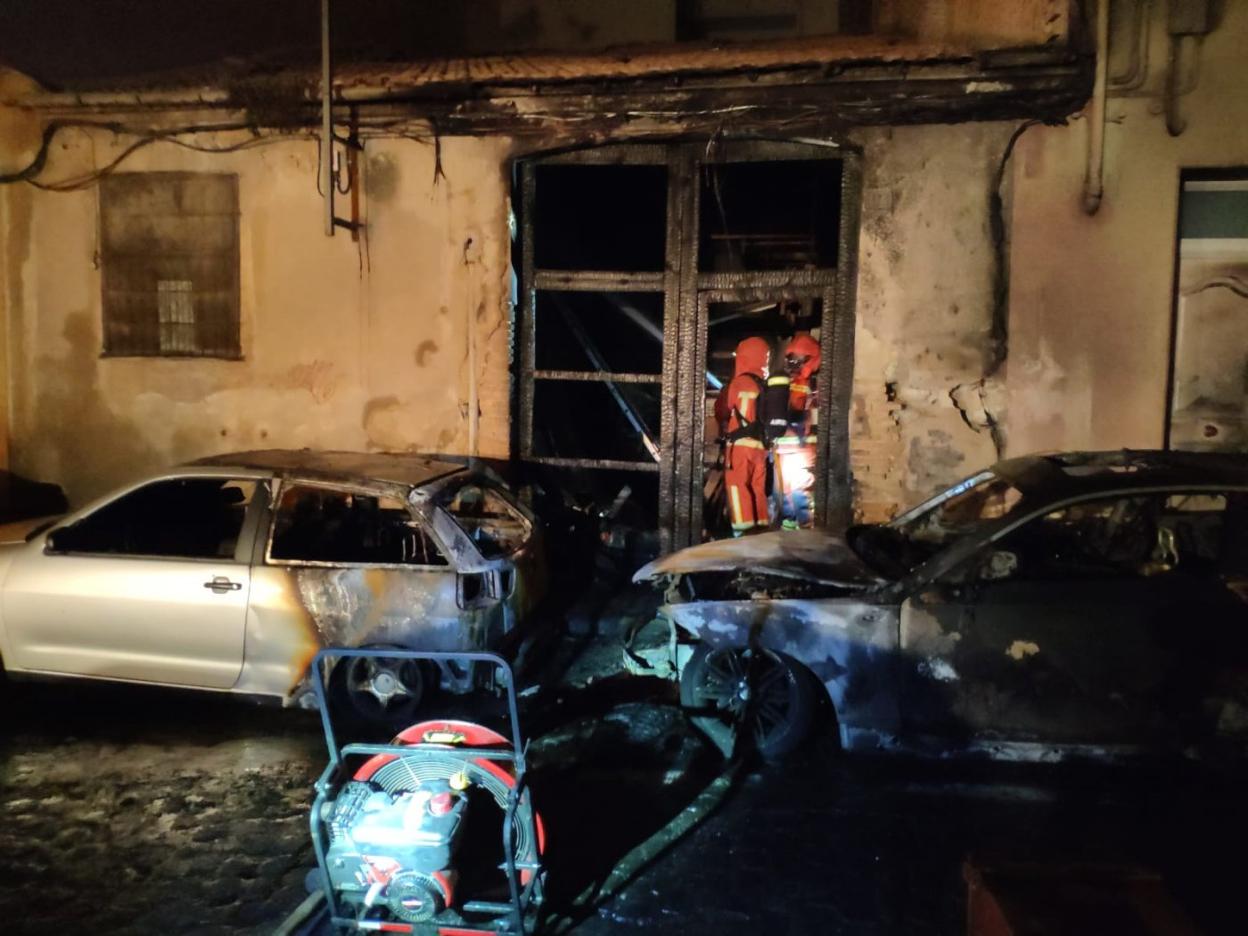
{"x":230,"y":573}
{"x":1089,"y":604}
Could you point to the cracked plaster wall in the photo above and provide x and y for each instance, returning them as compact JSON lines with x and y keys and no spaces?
{"x":351,"y":346}
{"x":924,"y":315}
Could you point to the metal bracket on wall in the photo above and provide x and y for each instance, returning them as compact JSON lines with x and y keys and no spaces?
{"x":329,"y":174}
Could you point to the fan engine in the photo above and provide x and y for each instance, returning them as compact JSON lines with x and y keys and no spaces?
{"x":394,"y":830}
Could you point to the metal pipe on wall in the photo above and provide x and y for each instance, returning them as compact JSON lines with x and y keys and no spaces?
{"x":1094,"y":175}
{"x":327,"y":124}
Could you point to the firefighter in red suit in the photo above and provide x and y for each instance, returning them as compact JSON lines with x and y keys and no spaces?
{"x":795,"y":450}
{"x":745,"y":446}
{"x":801,"y":360}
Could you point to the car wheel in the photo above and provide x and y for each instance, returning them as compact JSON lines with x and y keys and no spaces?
{"x":387,"y":693}
{"x":756,"y":697}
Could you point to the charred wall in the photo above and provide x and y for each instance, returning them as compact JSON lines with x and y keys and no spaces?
{"x":922,"y":412}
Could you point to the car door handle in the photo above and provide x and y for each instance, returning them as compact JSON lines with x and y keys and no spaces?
{"x":220,"y":584}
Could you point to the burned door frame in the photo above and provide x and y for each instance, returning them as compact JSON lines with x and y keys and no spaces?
{"x":1185,"y":286}
{"x":687,"y":294}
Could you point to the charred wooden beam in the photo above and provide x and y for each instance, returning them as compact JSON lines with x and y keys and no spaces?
{"x":1042,"y":84}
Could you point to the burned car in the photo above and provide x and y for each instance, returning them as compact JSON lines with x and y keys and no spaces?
{"x":230,"y":573}
{"x":1082,"y":604}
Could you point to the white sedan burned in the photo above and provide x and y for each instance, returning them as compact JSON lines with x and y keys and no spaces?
{"x":229,"y":574}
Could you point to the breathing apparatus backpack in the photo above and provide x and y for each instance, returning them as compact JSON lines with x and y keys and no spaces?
{"x":771,"y":414}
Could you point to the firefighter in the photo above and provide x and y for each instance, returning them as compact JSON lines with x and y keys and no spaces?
{"x":801,"y":361}
{"x":795,"y":451}
{"x":745,"y":445}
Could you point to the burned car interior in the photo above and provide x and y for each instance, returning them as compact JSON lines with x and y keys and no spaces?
{"x":1188,"y":532}
{"x":317,"y":524}
{"x":491,"y":523}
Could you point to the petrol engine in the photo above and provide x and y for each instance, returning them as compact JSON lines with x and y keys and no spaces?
{"x":397,"y":849}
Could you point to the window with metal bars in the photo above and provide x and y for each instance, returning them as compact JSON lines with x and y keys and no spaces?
{"x":169,"y":252}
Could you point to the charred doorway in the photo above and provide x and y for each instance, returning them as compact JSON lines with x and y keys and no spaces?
{"x":642,"y":267}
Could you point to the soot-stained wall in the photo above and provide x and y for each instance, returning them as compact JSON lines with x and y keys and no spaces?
{"x":921,"y":409}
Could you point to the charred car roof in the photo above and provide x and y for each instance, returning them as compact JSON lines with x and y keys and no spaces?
{"x":1071,"y":474}
{"x":387,"y":468}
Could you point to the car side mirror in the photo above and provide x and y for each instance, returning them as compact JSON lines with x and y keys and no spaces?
{"x":59,"y":540}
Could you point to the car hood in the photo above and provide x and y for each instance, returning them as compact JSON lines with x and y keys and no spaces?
{"x":813,"y":555}
{"x":18,"y":530}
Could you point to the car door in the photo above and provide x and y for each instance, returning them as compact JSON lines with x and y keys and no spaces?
{"x":151,"y":585}
{"x":1077,"y":627}
{"x":365,"y":570}
{"x":508,"y":541}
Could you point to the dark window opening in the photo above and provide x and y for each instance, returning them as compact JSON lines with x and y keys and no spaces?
{"x":169,"y":252}
{"x":780,"y":215}
{"x":599,"y":331}
{"x":601,"y":218}
{"x":189,"y":518}
{"x":598,"y":420}
{"x":315,"y":524}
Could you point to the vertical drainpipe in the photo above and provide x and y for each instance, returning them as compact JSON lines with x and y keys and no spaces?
{"x":327,"y":124}
{"x":1094,"y":176}
{"x":474,"y":401}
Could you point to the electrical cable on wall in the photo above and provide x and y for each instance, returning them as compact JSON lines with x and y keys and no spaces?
{"x":38,"y":164}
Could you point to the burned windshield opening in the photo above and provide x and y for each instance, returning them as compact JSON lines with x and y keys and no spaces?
{"x":916,"y":536}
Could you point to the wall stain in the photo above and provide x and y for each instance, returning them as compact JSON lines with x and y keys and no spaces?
{"x":426,"y":348}
{"x":316,"y":378}
{"x":82,"y":440}
{"x":381,"y":178}
{"x":384,"y":423}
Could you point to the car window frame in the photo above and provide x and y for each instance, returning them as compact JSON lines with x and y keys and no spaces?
{"x":947,"y":561}
{"x":243,"y":548}
{"x":282,"y":483}
{"x":447,"y":493}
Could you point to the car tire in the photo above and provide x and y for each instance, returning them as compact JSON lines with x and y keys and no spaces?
{"x":355,"y":693}
{"x":779,"y":715}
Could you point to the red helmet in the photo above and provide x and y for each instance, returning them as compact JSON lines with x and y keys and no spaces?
{"x":752,"y":357}
{"x":801,"y":356}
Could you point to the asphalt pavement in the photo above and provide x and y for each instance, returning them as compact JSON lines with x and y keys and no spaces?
{"x":133,"y":810}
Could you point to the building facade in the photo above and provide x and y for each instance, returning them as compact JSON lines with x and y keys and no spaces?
{"x":999,"y":221}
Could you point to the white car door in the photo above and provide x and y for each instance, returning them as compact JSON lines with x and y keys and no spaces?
{"x":151,"y":586}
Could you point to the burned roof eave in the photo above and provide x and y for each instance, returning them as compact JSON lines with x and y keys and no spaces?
{"x":1047,"y":84}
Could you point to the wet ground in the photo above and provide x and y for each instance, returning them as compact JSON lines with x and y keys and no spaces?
{"x":139,"y":811}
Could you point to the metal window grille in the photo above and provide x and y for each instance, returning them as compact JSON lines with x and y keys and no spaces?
{"x":169,"y":252}
{"x":176,"y":307}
